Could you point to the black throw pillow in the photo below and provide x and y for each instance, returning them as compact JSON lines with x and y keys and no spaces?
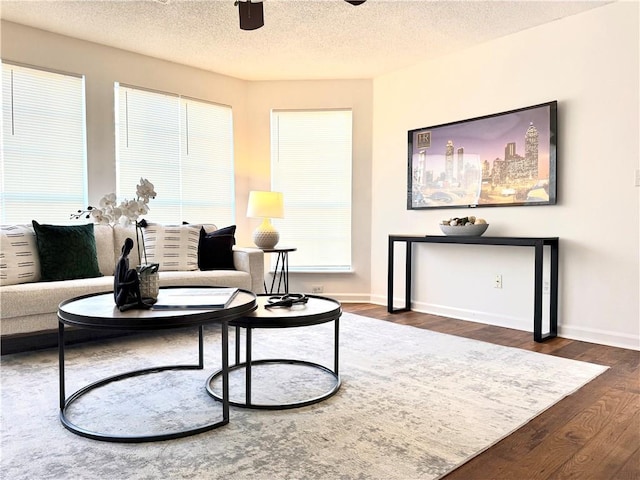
{"x":215,"y":249}
{"x":66,"y":252}
{"x":230,"y":230}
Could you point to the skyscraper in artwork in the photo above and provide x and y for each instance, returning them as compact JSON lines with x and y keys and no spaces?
{"x":448,"y":165}
{"x":531,"y":150}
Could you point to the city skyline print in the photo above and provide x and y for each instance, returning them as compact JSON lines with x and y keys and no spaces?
{"x":502,"y":159}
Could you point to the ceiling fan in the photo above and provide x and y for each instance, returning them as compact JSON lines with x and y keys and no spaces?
{"x":252,"y":13}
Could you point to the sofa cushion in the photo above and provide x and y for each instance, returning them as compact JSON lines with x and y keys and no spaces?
{"x":19,"y":260}
{"x":216,"y":278}
{"x":44,"y":297}
{"x":104,"y":248}
{"x":66,"y":252}
{"x":215,"y":249}
{"x":174,"y":248}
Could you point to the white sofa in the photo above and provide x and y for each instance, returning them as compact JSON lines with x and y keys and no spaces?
{"x":28,"y":311}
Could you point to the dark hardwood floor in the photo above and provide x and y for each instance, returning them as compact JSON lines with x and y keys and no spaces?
{"x":592,"y":434}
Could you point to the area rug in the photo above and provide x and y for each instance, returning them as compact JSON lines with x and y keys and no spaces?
{"x":413,"y":404}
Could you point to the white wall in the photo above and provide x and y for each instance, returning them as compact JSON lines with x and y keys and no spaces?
{"x":355,"y":94}
{"x":590,"y":64}
{"x":251,"y":103}
{"x":102,"y":66}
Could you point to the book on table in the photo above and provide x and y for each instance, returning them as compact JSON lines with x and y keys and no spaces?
{"x":196,"y":298}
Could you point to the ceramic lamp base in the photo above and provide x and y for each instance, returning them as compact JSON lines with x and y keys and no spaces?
{"x":265,"y":236}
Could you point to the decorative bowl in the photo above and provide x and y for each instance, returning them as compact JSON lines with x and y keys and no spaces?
{"x":469,"y":230}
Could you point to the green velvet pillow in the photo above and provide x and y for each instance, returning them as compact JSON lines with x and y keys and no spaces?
{"x":66,"y":251}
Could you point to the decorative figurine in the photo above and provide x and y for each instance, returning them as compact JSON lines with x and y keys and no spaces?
{"x":126,"y":284}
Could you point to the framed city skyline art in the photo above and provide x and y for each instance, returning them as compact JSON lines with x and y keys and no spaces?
{"x":503,"y":159}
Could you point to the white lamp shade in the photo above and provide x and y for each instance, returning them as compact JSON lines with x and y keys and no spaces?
{"x":265,"y":205}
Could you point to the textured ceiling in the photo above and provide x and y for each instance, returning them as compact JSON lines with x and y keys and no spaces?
{"x":301,"y":39}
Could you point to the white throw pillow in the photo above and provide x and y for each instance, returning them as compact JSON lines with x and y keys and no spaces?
{"x":175,"y":248}
{"x":19,"y":260}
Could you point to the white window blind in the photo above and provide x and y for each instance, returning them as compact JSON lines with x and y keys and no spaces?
{"x":311,"y":156}
{"x":184,"y":147}
{"x":43,"y":169}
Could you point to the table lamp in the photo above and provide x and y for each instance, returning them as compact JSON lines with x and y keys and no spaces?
{"x":265,"y":205}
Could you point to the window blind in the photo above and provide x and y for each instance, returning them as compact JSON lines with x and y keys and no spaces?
{"x":43,"y":169}
{"x":184,"y":147}
{"x":311,"y":157}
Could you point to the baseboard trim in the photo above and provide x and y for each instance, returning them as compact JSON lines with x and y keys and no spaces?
{"x":583,"y":334}
{"x":600,"y":337}
{"x":497,"y":320}
{"x":349,"y":297}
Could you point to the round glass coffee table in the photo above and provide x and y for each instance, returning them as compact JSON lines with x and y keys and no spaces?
{"x":98,"y":311}
{"x":316,"y":311}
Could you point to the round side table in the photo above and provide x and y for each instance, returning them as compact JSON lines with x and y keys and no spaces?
{"x":317,"y":310}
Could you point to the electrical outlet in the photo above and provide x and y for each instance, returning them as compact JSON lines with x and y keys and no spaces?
{"x":497,"y":282}
{"x":317,"y":288}
{"x":637,"y":178}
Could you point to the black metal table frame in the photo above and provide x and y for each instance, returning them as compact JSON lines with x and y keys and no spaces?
{"x":538,"y":243}
{"x":198,"y":318}
{"x":65,"y":402}
{"x":281,"y":270}
{"x":249,"y":362}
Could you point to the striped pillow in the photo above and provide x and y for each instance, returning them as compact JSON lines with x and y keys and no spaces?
{"x":175,"y":248}
{"x":19,"y":260}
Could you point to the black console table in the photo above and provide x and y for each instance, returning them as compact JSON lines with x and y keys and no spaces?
{"x":538,"y":243}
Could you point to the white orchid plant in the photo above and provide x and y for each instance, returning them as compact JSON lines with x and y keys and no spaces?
{"x":127,"y":212}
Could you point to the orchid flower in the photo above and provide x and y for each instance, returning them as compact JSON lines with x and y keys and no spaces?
{"x":145,"y":190}
{"x":126,"y":213}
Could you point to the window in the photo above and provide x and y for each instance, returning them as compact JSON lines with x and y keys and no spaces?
{"x":184,"y":147}
{"x":43,"y":168}
{"x":311,"y":166}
